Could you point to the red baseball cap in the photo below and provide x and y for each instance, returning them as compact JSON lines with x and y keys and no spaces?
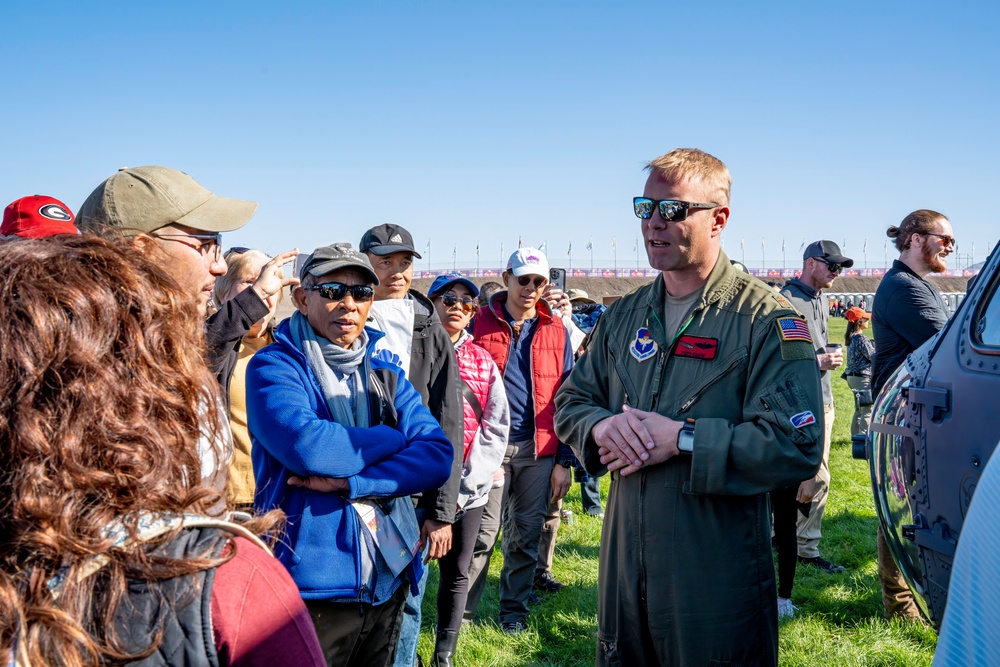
{"x":36,"y":217}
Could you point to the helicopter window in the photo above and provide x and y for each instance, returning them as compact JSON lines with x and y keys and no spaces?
{"x":987,"y":324}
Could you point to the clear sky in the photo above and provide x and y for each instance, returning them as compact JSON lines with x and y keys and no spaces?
{"x":481,"y":122}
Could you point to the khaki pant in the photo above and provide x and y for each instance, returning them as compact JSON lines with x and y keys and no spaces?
{"x":896,"y":596}
{"x":808,"y":527}
{"x":547,"y":544}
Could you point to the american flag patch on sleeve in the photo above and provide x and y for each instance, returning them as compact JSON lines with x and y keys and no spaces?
{"x":793,"y":328}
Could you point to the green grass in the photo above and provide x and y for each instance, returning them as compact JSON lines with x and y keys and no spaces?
{"x":839,"y":622}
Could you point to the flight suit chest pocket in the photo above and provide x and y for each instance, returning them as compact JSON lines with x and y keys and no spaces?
{"x":697,"y":377}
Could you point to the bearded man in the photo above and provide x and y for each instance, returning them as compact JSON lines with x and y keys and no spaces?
{"x":907,"y":310}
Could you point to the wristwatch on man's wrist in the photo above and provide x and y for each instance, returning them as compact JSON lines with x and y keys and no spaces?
{"x":566,"y":463}
{"x":685,"y":438}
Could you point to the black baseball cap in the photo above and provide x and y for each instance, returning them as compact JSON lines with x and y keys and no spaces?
{"x":334,"y":257}
{"x":387,"y":239}
{"x":829,"y":252}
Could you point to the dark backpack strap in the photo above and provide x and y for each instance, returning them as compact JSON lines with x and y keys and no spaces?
{"x":477,"y":407}
{"x":382,"y":397}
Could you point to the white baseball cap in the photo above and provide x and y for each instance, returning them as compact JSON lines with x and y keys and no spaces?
{"x":528,"y":261}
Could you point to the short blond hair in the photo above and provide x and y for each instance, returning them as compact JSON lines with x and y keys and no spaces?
{"x":242,"y":266}
{"x":686,"y":163}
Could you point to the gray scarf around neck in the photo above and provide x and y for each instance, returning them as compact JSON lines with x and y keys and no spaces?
{"x":340,"y":371}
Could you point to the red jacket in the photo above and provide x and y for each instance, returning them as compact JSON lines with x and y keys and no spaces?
{"x":548,"y":351}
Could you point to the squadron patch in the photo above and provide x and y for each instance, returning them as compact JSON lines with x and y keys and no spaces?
{"x":697,"y":347}
{"x":803,"y":419}
{"x":643,"y":347}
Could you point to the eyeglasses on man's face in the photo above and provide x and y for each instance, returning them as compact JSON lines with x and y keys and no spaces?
{"x":339,"y":291}
{"x":208,"y":244}
{"x":671,"y":210}
{"x":945,"y":239}
{"x":834,"y":267}
{"x":524,"y":281}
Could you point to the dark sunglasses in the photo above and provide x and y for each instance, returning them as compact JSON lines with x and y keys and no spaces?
{"x":947,"y":240}
{"x":450,"y":300}
{"x":338,"y":291}
{"x":524,"y":281}
{"x":671,"y":210}
{"x":833,"y":266}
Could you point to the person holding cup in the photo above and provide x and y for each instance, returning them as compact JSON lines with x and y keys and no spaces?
{"x":822,"y":262}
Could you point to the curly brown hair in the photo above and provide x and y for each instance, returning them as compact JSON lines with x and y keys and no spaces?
{"x":104,"y":393}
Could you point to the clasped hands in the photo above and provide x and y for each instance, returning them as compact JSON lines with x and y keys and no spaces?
{"x":634,"y":439}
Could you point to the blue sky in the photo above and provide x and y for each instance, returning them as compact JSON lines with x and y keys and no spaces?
{"x":476,"y":122}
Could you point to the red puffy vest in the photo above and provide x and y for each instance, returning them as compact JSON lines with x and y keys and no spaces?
{"x":548,"y":353}
{"x":474,"y":365}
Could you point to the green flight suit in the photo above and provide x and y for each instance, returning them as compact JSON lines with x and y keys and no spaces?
{"x":686,"y":572}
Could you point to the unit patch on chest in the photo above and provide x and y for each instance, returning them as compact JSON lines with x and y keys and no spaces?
{"x":697,"y":347}
{"x":643,"y":347}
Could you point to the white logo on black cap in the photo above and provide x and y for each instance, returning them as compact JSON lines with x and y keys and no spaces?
{"x":395,"y":238}
{"x":55,"y":212}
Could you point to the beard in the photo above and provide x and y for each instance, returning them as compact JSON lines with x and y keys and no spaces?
{"x":932,"y":259}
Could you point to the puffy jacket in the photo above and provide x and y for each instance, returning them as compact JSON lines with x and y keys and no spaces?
{"x":548,"y":361}
{"x":187,"y":625}
{"x":485,"y":438}
{"x":403,"y":452}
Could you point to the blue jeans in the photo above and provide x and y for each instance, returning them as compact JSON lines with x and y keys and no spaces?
{"x":409,"y":631}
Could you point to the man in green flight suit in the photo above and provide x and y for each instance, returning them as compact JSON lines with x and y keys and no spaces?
{"x":699,"y":393}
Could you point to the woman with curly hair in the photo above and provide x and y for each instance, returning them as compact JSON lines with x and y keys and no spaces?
{"x":105,"y":557}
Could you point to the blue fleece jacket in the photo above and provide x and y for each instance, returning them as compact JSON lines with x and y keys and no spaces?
{"x":293,"y":433}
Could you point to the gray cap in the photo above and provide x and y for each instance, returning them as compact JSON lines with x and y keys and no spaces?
{"x":334,"y":257}
{"x":144,"y":199}
{"x":829,"y":252}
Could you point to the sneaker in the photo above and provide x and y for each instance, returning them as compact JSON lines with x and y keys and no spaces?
{"x":547,"y":583}
{"x":534,"y":598}
{"x":514,"y":628}
{"x":786,"y":609}
{"x":596,"y":512}
{"x":821,"y":563}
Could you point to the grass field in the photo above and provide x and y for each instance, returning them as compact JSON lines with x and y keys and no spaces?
{"x":839,"y":622}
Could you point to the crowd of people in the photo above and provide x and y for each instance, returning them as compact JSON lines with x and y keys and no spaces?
{"x":187,"y":481}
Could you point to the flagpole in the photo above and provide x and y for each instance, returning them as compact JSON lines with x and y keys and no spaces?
{"x":454,"y":258}
{"x":569,"y":254}
{"x":477,"y":259}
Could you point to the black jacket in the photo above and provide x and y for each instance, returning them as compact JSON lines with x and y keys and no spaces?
{"x":906,"y":311}
{"x":224,"y":332}
{"x":434,"y":374}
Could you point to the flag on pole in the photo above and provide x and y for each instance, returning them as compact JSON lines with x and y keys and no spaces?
{"x":762,"y":245}
{"x":635,"y":246}
{"x":477,"y":250}
{"x":454,"y":251}
{"x":590,"y":243}
{"x":864,"y":249}
{"x":518,"y":240}
{"x":542,"y":247}
{"x":569,"y":251}
{"x":614,"y":243}
{"x":782,"y":245}
{"x":741,"y":243}
{"x":427,"y":248}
